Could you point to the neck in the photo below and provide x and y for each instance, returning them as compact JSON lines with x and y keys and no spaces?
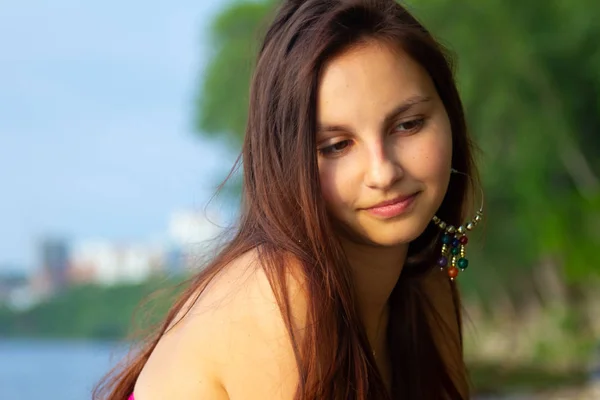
{"x":375,"y":272}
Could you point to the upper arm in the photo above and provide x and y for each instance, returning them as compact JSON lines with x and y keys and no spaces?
{"x":233,"y":344}
{"x":258,"y":358}
{"x":181,"y":367}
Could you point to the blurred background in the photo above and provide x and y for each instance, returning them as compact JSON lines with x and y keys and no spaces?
{"x":119,"y":119}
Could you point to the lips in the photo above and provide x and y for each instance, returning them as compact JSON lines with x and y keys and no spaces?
{"x":392,"y":208}
{"x":397,"y":200}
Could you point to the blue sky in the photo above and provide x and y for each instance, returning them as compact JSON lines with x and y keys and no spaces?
{"x":96,"y":110}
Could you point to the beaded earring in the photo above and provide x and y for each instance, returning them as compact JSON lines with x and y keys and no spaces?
{"x":454,"y":240}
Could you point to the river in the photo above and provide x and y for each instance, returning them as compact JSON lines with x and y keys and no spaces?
{"x":53,"y":369}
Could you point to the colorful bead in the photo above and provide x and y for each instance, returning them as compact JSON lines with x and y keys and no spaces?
{"x":446,"y":239}
{"x":454,"y":240}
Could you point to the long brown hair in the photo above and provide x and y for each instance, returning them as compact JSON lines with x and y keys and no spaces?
{"x":283,"y":214}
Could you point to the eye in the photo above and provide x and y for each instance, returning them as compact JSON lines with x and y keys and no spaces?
{"x":335,"y":149}
{"x":410,"y":126}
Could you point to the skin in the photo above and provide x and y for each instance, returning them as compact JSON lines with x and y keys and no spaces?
{"x":233,"y":344}
{"x":364,"y":159}
{"x":370,"y":153}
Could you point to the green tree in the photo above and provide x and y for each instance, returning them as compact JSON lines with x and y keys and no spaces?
{"x":223,"y":99}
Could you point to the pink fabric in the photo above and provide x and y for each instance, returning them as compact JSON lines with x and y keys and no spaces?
{"x":131,"y":397}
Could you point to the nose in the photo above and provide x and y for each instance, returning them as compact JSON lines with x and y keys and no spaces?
{"x":382,"y":168}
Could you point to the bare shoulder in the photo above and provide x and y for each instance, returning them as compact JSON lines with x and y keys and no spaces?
{"x":231,"y":344}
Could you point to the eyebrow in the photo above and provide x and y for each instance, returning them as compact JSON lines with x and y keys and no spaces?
{"x":405,"y":106}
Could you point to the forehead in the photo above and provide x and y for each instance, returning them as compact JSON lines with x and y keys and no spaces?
{"x":371,"y":78}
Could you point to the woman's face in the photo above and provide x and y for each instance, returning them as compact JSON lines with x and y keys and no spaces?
{"x":383,"y":136}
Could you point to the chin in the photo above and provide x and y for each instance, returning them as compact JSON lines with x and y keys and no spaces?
{"x":383,"y":233}
{"x":395,"y":234}
{"x":392,"y":240}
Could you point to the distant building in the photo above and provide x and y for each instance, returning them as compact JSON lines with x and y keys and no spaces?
{"x":107,"y":263}
{"x":191,"y":228}
{"x":192,"y":236}
{"x":184,"y":247}
{"x":54,"y":253}
{"x":13,"y":286}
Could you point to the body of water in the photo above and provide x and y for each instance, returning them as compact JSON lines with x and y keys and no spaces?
{"x":61,"y":370}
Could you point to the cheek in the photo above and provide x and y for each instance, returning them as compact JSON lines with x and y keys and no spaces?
{"x":336,"y":187}
{"x":433,"y":157}
{"x":330,"y":189}
{"x":436,"y":157}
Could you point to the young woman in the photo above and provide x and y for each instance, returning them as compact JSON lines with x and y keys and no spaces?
{"x":331,"y":288}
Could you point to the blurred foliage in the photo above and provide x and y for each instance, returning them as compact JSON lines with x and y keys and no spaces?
{"x":529,"y":75}
{"x":227,"y":79}
{"x":495,"y":379}
{"x":529,"y":78}
{"x":93,"y":312}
